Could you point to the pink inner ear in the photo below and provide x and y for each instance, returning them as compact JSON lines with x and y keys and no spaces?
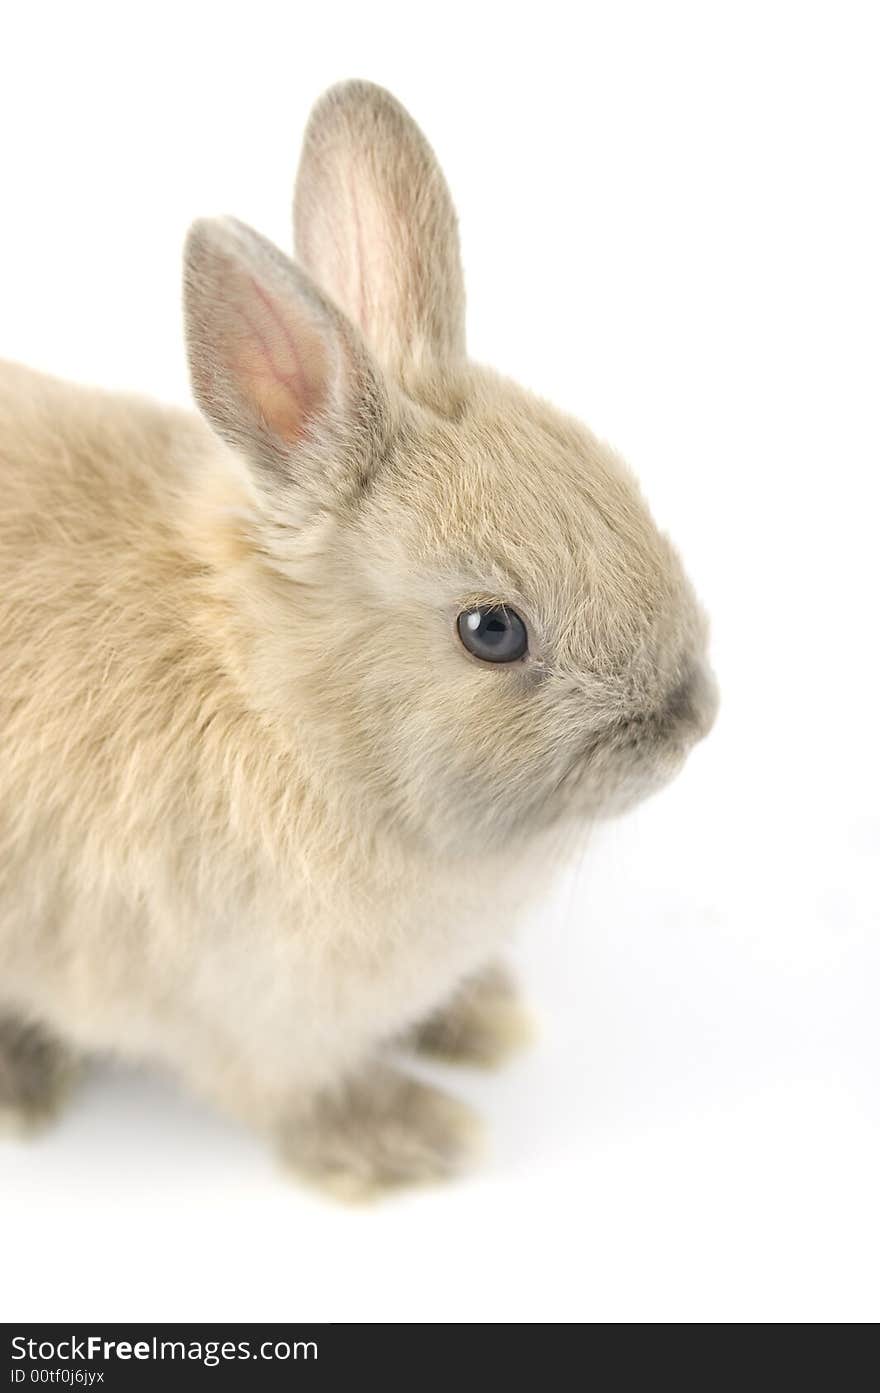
{"x":282,"y":362}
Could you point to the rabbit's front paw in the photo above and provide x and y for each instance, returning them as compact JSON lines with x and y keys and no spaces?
{"x":483,"y":1024}
{"x":35,"y":1073}
{"x":380,"y":1131}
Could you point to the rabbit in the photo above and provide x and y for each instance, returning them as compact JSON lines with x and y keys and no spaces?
{"x":303,"y":698}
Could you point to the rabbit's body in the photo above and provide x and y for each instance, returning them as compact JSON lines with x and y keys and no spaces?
{"x":297,"y":710}
{"x":176,"y":882}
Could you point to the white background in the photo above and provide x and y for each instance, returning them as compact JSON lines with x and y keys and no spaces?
{"x":670,"y":226}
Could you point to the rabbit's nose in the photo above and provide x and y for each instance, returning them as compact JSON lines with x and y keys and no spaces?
{"x":692,"y":705}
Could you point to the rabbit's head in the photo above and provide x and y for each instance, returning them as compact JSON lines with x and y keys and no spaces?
{"x":465,"y":605}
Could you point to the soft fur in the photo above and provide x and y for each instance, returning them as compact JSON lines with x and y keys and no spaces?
{"x":261,"y":814}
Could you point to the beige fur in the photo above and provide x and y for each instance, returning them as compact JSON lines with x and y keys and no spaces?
{"x":261,"y":814}
{"x":483,"y":1024}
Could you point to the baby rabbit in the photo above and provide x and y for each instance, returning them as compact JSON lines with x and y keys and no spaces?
{"x":299,"y":701}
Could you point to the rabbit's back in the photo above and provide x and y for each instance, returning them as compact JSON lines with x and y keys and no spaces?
{"x":102,"y":677}
{"x":86,"y":480}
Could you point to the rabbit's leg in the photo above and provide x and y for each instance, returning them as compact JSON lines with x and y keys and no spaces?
{"x":378,"y":1131}
{"x":35,"y":1072}
{"x":483,"y":1024}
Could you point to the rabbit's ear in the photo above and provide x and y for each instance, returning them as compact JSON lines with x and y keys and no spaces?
{"x":374,"y":223}
{"x":276,"y":369}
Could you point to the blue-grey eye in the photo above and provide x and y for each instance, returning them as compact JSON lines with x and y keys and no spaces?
{"x":494,"y":633}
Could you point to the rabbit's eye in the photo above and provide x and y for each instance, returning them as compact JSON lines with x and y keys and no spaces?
{"x":494,"y":633}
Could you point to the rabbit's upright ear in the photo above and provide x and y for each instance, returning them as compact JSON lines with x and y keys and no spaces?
{"x":375,"y":225}
{"x":275,"y":367}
